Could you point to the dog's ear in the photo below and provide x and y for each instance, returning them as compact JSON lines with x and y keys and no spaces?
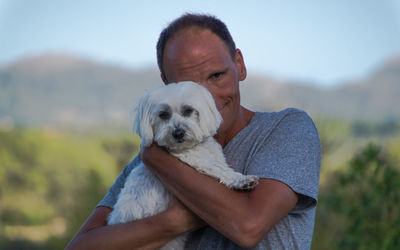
{"x":142,"y":123}
{"x":210,"y":118}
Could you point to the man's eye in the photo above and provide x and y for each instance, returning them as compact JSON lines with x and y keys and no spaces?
{"x":217,"y":75}
{"x":164,"y":115}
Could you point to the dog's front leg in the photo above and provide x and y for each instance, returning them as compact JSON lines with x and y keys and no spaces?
{"x":208,"y":158}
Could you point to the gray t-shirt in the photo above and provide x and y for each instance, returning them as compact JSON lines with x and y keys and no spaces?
{"x":283,"y":146}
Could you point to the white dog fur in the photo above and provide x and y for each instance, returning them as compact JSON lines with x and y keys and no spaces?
{"x":182,"y":117}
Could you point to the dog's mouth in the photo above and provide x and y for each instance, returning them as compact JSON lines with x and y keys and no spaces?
{"x":179,"y":140}
{"x":178,"y":145}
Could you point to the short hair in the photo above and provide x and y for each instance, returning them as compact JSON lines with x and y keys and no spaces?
{"x":189,"y":20}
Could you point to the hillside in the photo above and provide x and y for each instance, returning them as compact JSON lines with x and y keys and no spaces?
{"x":64,"y":90}
{"x":375,"y":97}
{"x":68,"y":91}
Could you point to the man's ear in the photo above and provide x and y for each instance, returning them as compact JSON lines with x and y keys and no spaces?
{"x":239,"y":61}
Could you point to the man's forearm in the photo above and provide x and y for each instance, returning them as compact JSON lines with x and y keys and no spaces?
{"x":244,"y":218}
{"x":206,"y":197}
{"x":148,"y":233}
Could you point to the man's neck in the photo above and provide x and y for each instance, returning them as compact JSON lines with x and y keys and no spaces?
{"x":242,"y":120}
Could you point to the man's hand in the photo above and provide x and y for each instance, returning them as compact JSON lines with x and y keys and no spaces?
{"x":182,"y":216}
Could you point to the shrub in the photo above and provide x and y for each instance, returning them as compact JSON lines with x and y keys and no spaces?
{"x":359,"y":206}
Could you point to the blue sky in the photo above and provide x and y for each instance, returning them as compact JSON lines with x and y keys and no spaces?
{"x":325,"y":42}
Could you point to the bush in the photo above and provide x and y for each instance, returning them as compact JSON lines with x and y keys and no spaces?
{"x":51,"y":180}
{"x":359,"y":206}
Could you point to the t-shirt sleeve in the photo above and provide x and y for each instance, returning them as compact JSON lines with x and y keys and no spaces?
{"x":292,"y":154}
{"x":111,"y":197}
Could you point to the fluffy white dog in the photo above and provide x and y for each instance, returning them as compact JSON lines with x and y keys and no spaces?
{"x":182,"y":117}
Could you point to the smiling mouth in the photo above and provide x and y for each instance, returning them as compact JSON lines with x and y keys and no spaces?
{"x":221,"y":108}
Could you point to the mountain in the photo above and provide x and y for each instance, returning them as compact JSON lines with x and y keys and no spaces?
{"x":375,"y":97}
{"x":63,"y":90}
{"x":66,"y":90}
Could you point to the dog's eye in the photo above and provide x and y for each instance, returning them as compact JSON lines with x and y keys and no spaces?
{"x":187,"y":111}
{"x":164,"y":115}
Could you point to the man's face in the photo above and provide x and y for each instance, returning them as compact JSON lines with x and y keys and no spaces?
{"x":200,"y":56}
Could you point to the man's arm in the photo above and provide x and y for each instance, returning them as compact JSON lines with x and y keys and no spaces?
{"x":148,"y":233}
{"x":244,"y":218}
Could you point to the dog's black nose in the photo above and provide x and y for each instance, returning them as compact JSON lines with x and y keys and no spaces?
{"x":178,"y":134}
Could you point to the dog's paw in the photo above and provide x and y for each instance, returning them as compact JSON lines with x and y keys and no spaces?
{"x":245,"y":184}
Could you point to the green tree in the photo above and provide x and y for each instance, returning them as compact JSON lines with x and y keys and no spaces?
{"x":359,"y":207}
{"x":50,"y":178}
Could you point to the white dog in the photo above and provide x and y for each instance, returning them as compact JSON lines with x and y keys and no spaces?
{"x":182,"y":117}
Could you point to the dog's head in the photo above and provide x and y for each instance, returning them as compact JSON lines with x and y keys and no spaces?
{"x":176,"y":116}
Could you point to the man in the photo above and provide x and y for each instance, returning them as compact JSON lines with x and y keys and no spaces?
{"x":282,"y":148}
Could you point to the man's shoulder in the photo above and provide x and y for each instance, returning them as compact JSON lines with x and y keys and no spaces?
{"x":281,"y":113}
{"x":289,"y":120}
{"x":264,"y":124}
{"x":272,"y":119}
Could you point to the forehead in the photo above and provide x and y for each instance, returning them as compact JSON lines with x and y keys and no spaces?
{"x":192,"y":52}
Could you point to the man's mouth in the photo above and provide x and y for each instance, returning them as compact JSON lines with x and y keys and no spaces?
{"x":222,"y":107}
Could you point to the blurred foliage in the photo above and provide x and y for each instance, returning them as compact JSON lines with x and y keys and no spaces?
{"x":382,"y":128}
{"x":121,"y":149}
{"x":333,"y":134}
{"x":51,"y":180}
{"x":358,"y":207}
